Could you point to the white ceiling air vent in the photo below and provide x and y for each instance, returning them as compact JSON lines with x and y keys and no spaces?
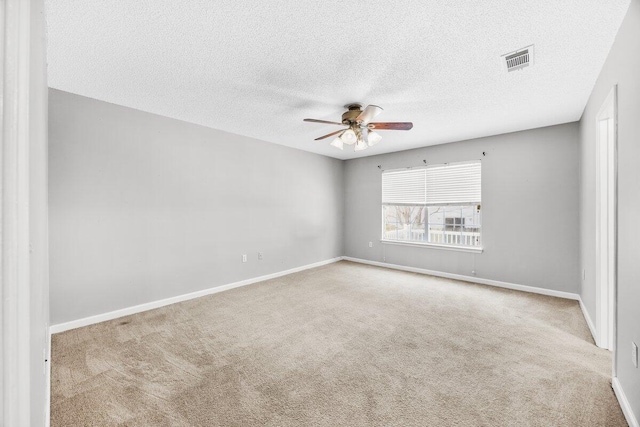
{"x":519,"y":59}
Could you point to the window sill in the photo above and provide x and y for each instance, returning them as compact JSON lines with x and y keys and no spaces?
{"x":433,"y":246}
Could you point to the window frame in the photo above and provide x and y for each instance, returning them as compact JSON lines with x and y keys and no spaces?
{"x":451,"y":247}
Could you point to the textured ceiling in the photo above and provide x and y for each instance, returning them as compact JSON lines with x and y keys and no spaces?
{"x":258,"y":68}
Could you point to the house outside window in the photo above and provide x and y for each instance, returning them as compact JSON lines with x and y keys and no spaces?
{"x":434,"y":205}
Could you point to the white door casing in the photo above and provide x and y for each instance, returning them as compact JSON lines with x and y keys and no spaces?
{"x":606,"y":224}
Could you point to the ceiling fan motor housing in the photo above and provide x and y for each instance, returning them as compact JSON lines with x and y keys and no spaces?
{"x":350,"y":116}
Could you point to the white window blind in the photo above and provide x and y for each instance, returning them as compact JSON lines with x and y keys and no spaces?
{"x":457,"y":183}
{"x":407,"y":186}
{"x":453,"y":184}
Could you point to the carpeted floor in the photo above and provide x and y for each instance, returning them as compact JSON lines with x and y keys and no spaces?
{"x":340,"y":345}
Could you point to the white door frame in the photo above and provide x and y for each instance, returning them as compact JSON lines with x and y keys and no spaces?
{"x":606,"y":221}
{"x":15,"y":405}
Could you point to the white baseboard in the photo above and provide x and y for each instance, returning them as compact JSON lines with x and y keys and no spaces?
{"x":61,"y":327}
{"x":624,"y":404}
{"x":587,"y":318}
{"x":532,"y":289}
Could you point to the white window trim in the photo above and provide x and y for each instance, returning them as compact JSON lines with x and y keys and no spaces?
{"x":476,"y":250}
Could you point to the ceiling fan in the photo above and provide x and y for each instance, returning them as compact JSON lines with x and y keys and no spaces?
{"x":360,"y":129}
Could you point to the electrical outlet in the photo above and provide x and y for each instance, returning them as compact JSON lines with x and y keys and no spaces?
{"x":370,"y":244}
{"x":634,"y":354}
{"x":244,"y":257}
{"x":259,"y":255}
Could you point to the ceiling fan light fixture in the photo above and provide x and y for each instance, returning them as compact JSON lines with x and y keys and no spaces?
{"x":363,"y":134}
{"x":349,"y":137}
{"x":337,"y":143}
{"x":374,"y":138}
{"x":360,"y":145}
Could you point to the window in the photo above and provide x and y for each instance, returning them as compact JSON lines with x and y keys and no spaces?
{"x":433,"y":205}
{"x":452,"y":221}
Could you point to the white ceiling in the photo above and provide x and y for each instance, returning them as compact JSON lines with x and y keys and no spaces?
{"x":258,"y":68}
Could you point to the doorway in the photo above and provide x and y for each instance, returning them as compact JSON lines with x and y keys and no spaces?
{"x":606,"y":224}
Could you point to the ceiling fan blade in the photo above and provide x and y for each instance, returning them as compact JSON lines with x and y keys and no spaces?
{"x":391,"y":126}
{"x":322,"y":121}
{"x":330,"y":134}
{"x":368,"y":114}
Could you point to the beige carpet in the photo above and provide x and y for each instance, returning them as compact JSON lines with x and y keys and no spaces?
{"x":340,"y":345}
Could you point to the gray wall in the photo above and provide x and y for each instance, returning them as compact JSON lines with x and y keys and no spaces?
{"x":143,"y":207}
{"x":529,"y":208}
{"x":622,"y":67}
